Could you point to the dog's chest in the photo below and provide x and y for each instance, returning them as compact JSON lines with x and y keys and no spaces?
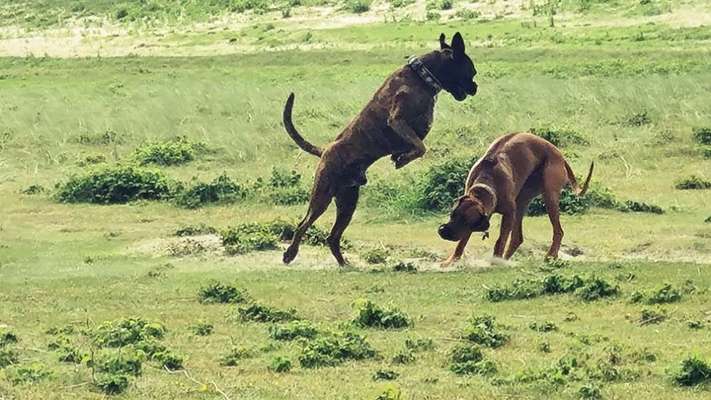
{"x":422,"y":123}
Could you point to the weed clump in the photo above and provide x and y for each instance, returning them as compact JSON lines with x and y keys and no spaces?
{"x":637,"y":119}
{"x":484,"y":330}
{"x":560,"y":137}
{"x":7,"y":357}
{"x":334,"y":349}
{"x":385,"y":375}
{"x":7,"y":337}
{"x":293,"y":330}
{"x":590,"y":392}
{"x":665,"y":294}
{"x":529,"y":288}
{"x":32,"y":373}
{"x":195,"y":230}
{"x":123,"y":332}
{"x":649,"y":317}
{"x":202,"y":329}
{"x":260,"y":313}
{"x":175,"y":151}
{"x":469,"y":360}
{"x":693,"y":371}
{"x":283,"y":188}
{"x":404,"y":266}
{"x":404,"y":356}
{"x":115,"y":184}
{"x":420,"y":344}
{"x":168,"y":359}
{"x":216,"y":292}
{"x":32,"y":190}
{"x":375,"y":256}
{"x":702,"y":135}
{"x":597,"y":288}
{"x":280,"y":365}
{"x":693,"y":183}
{"x":122,"y":363}
{"x":546,"y":326}
{"x":222,"y":190}
{"x":370,"y":315}
{"x":234,"y":356}
{"x":111,"y":384}
{"x":443,"y":183}
{"x":357,"y":6}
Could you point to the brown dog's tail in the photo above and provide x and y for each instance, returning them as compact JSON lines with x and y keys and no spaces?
{"x":291,"y":130}
{"x":580,"y":191}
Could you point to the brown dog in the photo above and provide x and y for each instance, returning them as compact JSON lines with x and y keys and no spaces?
{"x":516,"y":168}
{"x":394,"y":122}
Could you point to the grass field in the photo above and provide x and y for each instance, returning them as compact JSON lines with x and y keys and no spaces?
{"x":85,"y":88}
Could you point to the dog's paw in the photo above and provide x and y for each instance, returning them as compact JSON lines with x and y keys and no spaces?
{"x":289,"y":255}
{"x":401,"y":160}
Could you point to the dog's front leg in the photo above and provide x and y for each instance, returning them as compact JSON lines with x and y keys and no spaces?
{"x":507,"y":222}
{"x":398,"y":123}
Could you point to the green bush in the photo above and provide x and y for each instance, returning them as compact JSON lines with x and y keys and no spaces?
{"x":171,"y":152}
{"x":119,"y":363}
{"x":216,"y":292}
{"x":560,"y":137}
{"x":692,"y":371}
{"x":293,"y":330}
{"x":404,"y":266}
{"x":702,"y":135}
{"x":469,"y":360}
{"x":32,"y":373}
{"x":168,"y":359}
{"x":445,"y":4}
{"x":547,"y":326}
{"x":222,"y":190}
{"x":202,"y":329}
{"x":665,"y":294}
{"x":637,"y":119}
{"x":234,"y":356}
{"x":590,"y":392}
{"x":521,"y":289}
{"x":693,"y":182}
{"x":597,"y":288}
{"x":443,"y":183}
{"x":111,"y":384}
{"x":195,"y":230}
{"x":385,"y":375}
{"x":246,"y":238}
{"x":404,"y":356}
{"x":328,"y":351}
{"x":282,"y":188}
{"x":7,"y":337}
{"x":127,"y":331}
{"x":650,"y":317}
{"x":357,"y":6}
{"x":375,"y":256}
{"x":370,"y":315}
{"x":7,"y":357}
{"x":280,"y":365}
{"x":260,"y":313}
{"x":115,"y":184}
{"x":483,"y":330}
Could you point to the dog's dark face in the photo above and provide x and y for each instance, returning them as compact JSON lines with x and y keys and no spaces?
{"x":468,"y":216}
{"x":458,"y":71}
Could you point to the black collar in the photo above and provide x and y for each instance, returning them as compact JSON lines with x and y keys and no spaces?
{"x":421,"y":70}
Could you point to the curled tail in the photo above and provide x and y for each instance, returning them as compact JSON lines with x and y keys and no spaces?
{"x":579,"y":190}
{"x":291,"y":130}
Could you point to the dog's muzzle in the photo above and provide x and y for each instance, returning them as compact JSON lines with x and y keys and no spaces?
{"x":445,"y":233}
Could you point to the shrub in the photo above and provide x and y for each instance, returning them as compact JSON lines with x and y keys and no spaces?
{"x":693,"y":371}
{"x":702,"y":135}
{"x":7,"y":357}
{"x":547,"y":326}
{"x":202,"y":329}
{"x":115,"y":184}
{"x":665,"y":294}
{"x":445,"y":4}
{"x":149,"y":347}
{"x":357,"y":6}
{"x":597,"y":288}
{"x":693,"y":183}
{"x":484,"y":331}
{"x":246,"y":238}
{"x":293,"y":330}
{"x":121,"y":363}
{"x":590,"y":392}
{"x":7,"y":337}
{"x":334,"y":349}
{"x":69,"y":354}
{"x":695,"y":324}
{"x":260,"y":313}
{"x":638,"y":206}
{"x":280,"y":365}
{"x":222,"y":190}
{"x":233,"y":357}
{"x":370,"y":315}
{"x":425,"y":344}
{"x":122,"y":332}
{"x":570,"y":203}
{"x":442,"y":183}
{"x":98,"y":139}
{"x":168,"y":359}
{"x":404,"y":356}
{"x":175,"y":151}
{"x":375,"y":256}
{"x":32,"y":190}
{"x":32,"y":373}
{"x":467,"y":14}
{"x":282,"y":188}
{"x":469,"y":360}
{"x":401,"y":3}
{"x":111,"y":384}
{"x":529,"y":288}
{"x":560,"y":137}
{"x":637,"y":119}
{"x":385,"y":375}
{"x":195,"y":230}
{"x":216,"y":292}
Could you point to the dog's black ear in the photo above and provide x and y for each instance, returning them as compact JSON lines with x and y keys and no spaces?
{"x":458,"y":44}
{"x":442,"y":44}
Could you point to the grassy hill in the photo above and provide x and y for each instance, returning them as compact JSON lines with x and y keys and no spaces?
{"x":177,"y":94}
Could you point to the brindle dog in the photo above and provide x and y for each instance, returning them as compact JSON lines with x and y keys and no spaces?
{"x":394,"y":122}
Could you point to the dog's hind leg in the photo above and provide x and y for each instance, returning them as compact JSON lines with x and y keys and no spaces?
{"x":320,"y":199}
{"x":346,"y":201}
{"x":554,"y":178}
{"x":458,"y":251}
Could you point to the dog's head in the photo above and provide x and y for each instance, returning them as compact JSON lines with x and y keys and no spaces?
{"x":457,"y":70}
{"x":468,"y":216}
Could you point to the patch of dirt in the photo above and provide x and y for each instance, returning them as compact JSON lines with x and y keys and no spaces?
{"x":202,"y":245}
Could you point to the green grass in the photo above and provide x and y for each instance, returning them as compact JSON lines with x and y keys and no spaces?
{"x":84,"y":264}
